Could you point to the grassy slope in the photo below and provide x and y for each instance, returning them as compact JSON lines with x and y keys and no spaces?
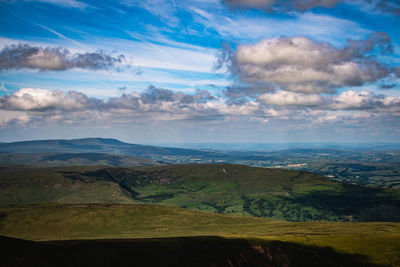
{"x":377,"y":243}
{"x":236,"y":189}
{"x":73,"y":159}
{"x":20,"y":184}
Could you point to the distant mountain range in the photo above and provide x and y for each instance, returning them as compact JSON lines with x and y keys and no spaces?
{"x":90,"y":150}
{"x":113,"y":146}
{"x":92,"y":145}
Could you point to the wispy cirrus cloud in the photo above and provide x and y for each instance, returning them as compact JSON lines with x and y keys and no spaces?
{"x":62,"y":3}
{"x":384,"y":6}
{"x":239,"y":27}
{"x":271,"y":5}
{"x":54,"y":59}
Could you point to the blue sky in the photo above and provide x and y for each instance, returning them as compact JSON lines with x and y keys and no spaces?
{"x":200,"y":71}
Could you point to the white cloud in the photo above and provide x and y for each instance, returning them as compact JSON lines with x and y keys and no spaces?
{"x":354,"y":100}
{"x":54,"y":59}
{"x":365,"y":100}
{"x":40,"y":99}
{"x":302,"y":65}
{"x":35,"y":107}
{"x":282,"y":98}
{"x":43,"y":60}
{"x":10,"y":118}
{"x":347,"y":100}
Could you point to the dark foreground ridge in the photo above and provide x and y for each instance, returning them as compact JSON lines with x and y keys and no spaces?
{"x":176,"y":251}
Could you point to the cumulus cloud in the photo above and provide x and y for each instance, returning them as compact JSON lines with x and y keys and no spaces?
{"x":347,"y":100}
{"x":29,"y":106}
{"x":54,"y":59}
{"x":151,"y":105}
{"x":300,"y":64}
{"x":364,"y":100}
{"x":154,"y":95}
{"x":30,"y":99}
{"x":241,"y":94}
{"x":153,"y":100}
{"x":355,"y":100}
{"x":283,"y":98}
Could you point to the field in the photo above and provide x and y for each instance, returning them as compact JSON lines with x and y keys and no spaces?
{"x":169,"y":230}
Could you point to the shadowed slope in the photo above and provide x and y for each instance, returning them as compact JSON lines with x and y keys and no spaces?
{"x":179,"y":251}
{"x":377,"y":243}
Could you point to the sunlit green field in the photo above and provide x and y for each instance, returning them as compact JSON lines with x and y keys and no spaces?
{"x":220,"y":188}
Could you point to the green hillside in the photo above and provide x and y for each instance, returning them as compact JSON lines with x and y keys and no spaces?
{"x":23,"y":184}
{"x":73,"y":159}
{"x":373,"y":165}
{"x":219,"y":188}
{"x":153,"y":235}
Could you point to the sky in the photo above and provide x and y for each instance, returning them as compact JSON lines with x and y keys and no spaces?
{"x":182,"y":71}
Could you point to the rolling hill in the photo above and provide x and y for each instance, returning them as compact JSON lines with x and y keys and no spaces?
{"x":74,"y":159}
{"x":220,"y":188}
{"x":366,"y":167}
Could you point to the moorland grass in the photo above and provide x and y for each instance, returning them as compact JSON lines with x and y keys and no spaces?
{"x":378,"y":242}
